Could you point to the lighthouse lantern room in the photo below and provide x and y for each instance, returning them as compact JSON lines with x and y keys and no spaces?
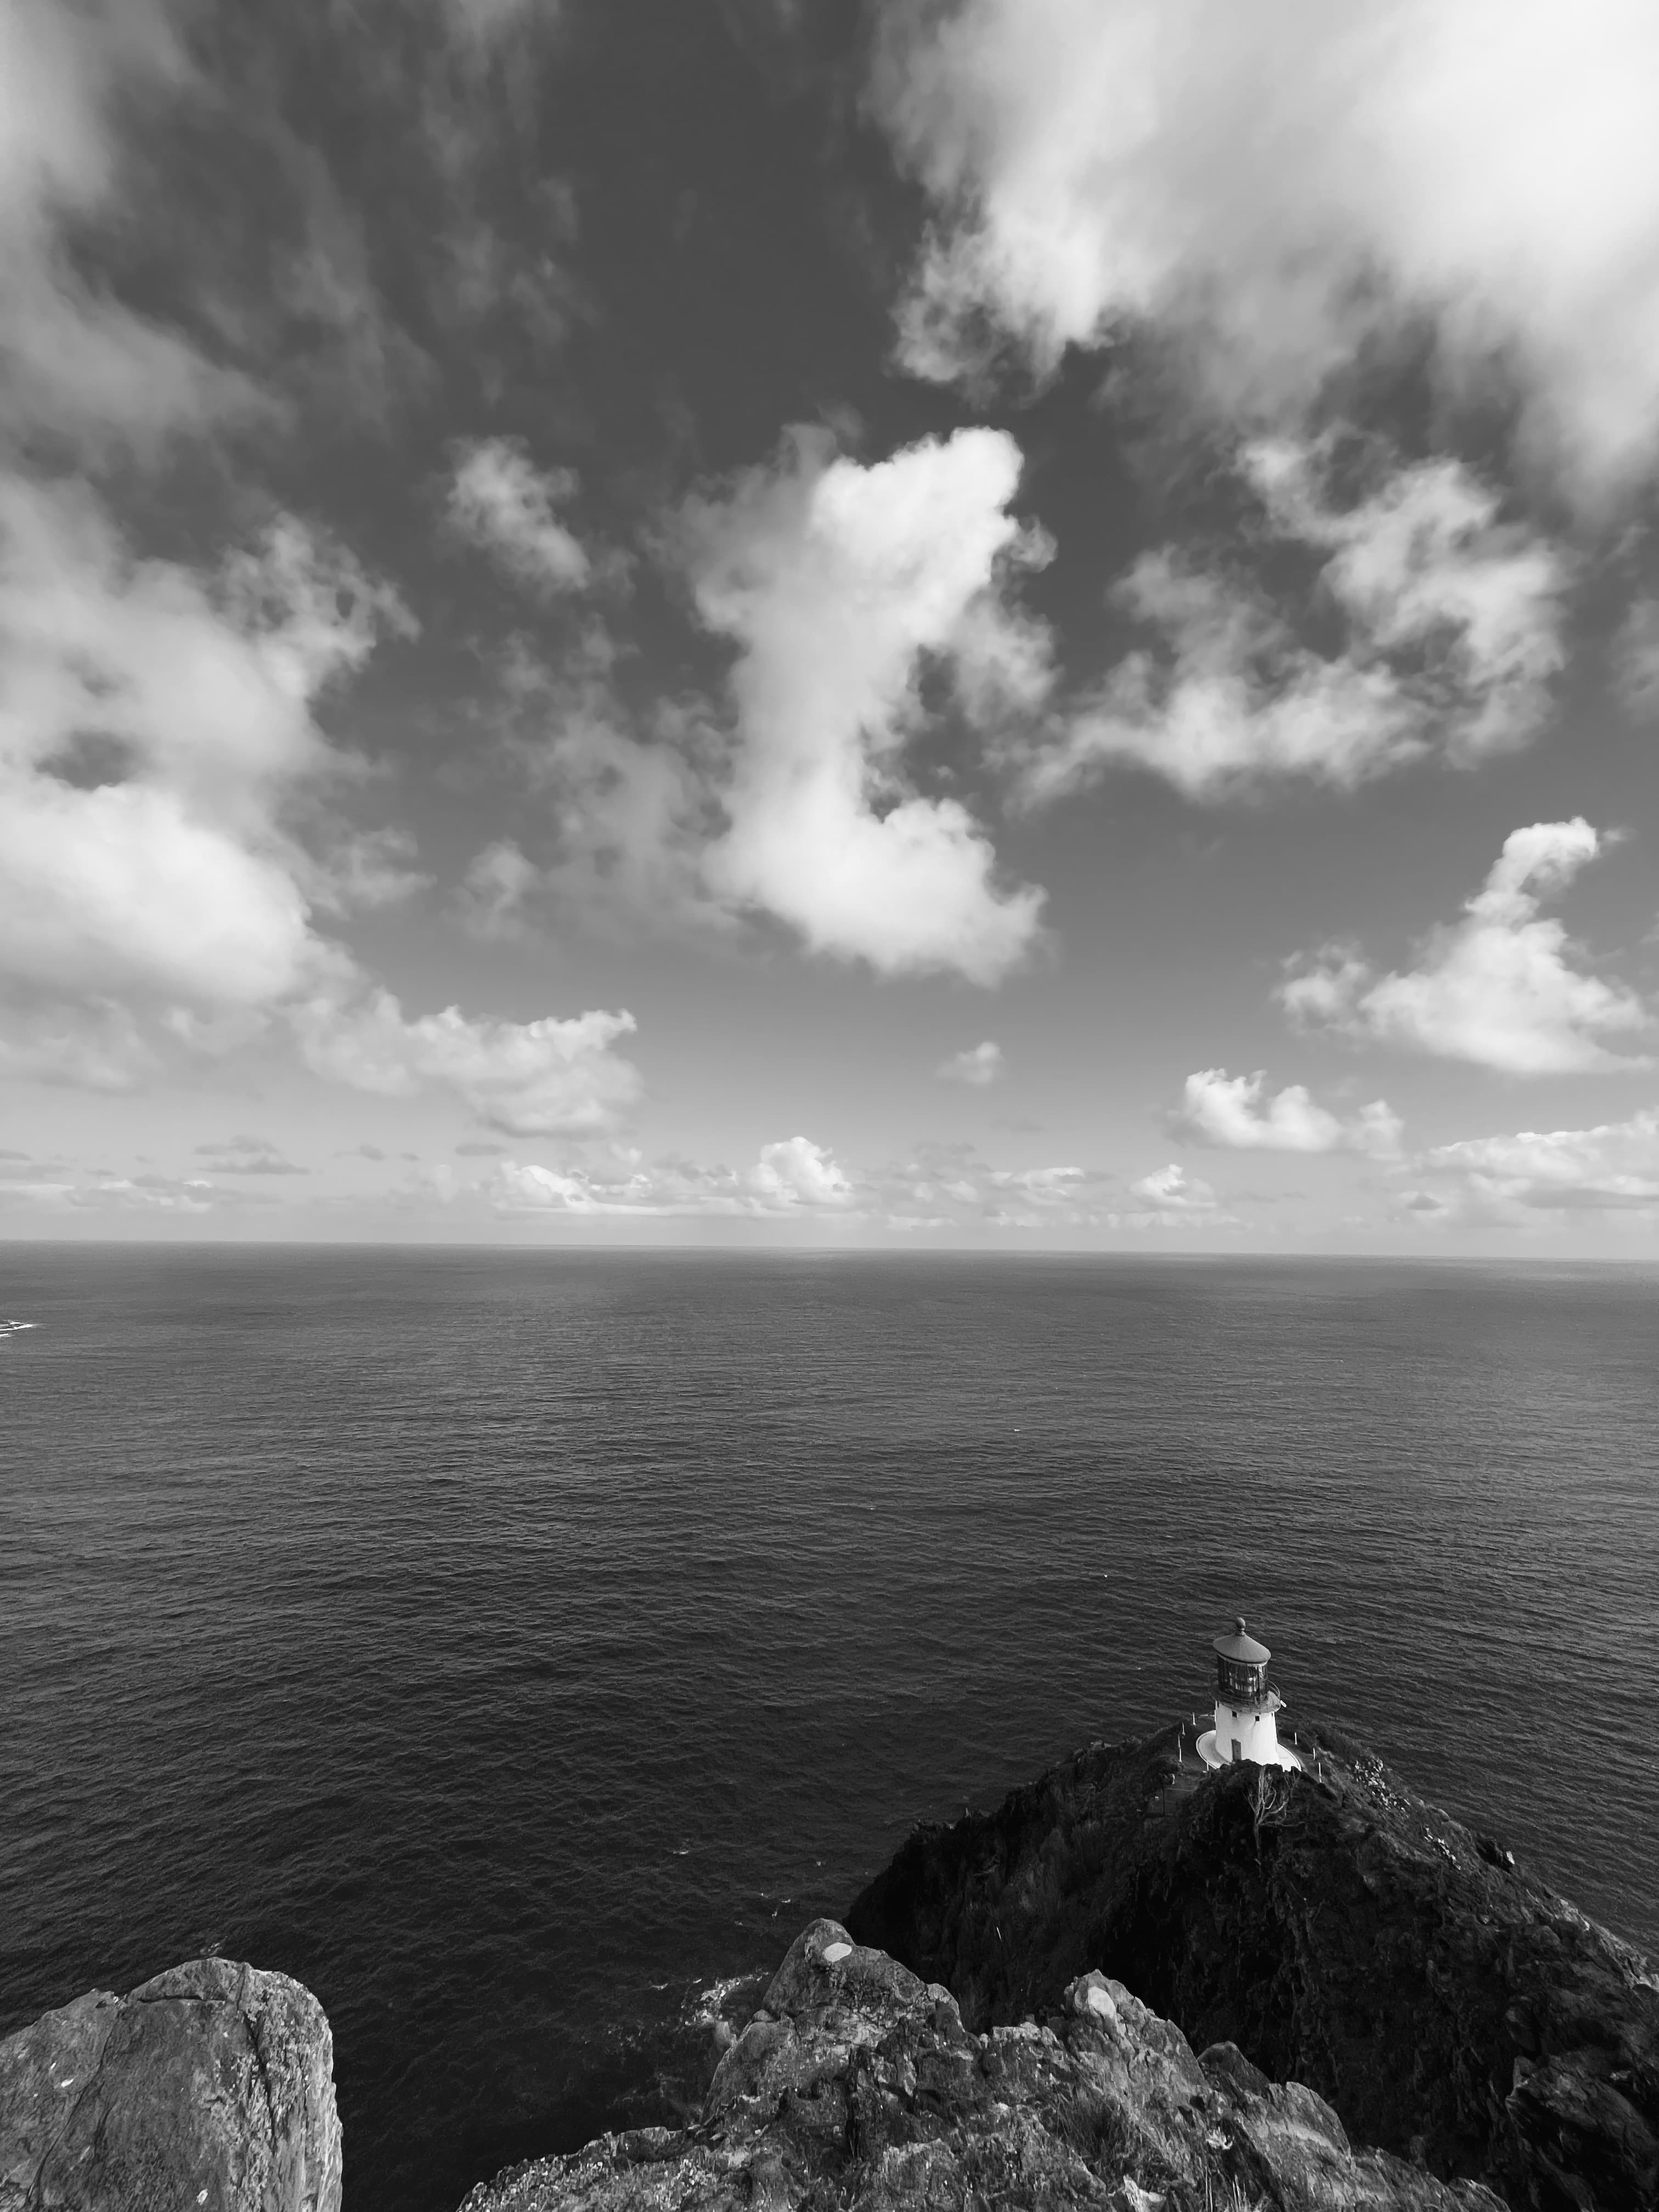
{"x":1246,"y":1707}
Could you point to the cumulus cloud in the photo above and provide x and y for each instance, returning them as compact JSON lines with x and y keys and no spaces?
{"x":842,"y":584}
{"x":1450,"y":631}
{"x":152,"y":724}
{"x":1612,"y":1168}
{"x":527,"y":1079}
{"x":793,"y":1178}
{"x":1238,"y":1113}
{"x":845,"y":588}
{"x":796,"y":1172}
{"x":168,"y":866}
{"x":504,"y":504}
{"x":1501,"y":989}
{"x":938,"y":1187}
{"x":156,"y":730}
{"x":156,"y":722}
{"x":977,"y":1066}
{"x":1282,"y":186}
{"x":1172,"y":1199}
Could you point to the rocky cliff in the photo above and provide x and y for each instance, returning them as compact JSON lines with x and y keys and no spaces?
{"x":211,"y":2086}
{"x":857,"y":2085}
{"x":1388,"y":2015}
{"x":1340,"y":1931}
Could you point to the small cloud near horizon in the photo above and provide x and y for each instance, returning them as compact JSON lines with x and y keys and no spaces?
{"x":249,"y":1156}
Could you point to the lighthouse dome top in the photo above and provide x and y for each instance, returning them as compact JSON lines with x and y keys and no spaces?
{"x":1241,"y":1647}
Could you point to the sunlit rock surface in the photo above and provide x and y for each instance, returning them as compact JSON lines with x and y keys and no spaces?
{"x":857,"y":2085}
{"x":211,"y":2086}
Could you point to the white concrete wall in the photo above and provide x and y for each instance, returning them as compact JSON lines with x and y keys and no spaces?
{"x":1255,"y":1732}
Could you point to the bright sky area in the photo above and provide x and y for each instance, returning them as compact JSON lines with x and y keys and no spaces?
{"x":1020,"y":623}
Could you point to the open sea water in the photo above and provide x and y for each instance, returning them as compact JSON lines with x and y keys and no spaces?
{"x":519,"y":1648}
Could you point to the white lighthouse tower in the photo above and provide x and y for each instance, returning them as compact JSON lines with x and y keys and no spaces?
{"x":1245,"y":1706}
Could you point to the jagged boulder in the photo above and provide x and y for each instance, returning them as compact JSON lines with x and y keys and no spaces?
{"x":1337,"y":1928}
{"x":857,"y":2085}
{"x":211,"y":2086}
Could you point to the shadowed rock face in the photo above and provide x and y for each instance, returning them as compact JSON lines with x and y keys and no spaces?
{"x":212,"y":2086}
{"x":1340,"y":1931}
{"x":856,"y":2085}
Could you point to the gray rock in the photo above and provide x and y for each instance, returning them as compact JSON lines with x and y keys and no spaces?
{"x":857,"y":2085}
{"x":1339,"y":1931}
{"x":212,"y":2086}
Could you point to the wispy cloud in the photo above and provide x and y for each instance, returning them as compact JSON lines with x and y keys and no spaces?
{"x":952,"y":1187}
{"x":1451,"y":623}
{"x":80,"y":364}
{"x":486,"y":22}
{"x":528,"y":1078}
{"x":626,"y":799}
{"x":249,"y":1156}
{"x":498,"y":883}
{"x":977,"y":1066}
{"x":1636,"y":661}
{"x":500,"y":500}
{"x":1533,"y":1175}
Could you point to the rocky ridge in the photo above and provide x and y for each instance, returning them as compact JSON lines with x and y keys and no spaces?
{"x":211,"y":2086}
{"x":856,"y":2086}
{"x":1135,"y":1986}
{"x":1336,"y":1927}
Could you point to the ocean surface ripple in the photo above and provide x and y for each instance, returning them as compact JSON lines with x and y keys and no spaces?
{"x":519,"y":1647}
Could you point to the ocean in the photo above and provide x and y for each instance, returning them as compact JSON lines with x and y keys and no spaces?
{"x":519,"y":1647}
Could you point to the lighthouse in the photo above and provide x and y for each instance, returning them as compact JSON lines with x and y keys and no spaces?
{"x":1245,"y":1706}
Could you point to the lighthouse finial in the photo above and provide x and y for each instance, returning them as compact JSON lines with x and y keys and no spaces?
{"x":1238,"y":1624}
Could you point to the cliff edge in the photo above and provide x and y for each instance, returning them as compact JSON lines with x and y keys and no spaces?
{"x":211,"y":2087}
{"x":857,"y":2085}
{"x":1336,"y":1928}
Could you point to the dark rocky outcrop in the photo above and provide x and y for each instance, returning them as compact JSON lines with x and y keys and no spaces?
{"x":212,"y":2086}
{"x":1336,"y":1928}
{"x":857,"y":2085}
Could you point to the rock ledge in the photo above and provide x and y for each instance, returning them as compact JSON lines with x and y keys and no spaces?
{"x":211,"y":2086}
{"x":856,"y":2086}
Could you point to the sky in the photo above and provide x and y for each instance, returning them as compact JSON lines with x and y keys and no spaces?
{"x":1008,"y":624}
